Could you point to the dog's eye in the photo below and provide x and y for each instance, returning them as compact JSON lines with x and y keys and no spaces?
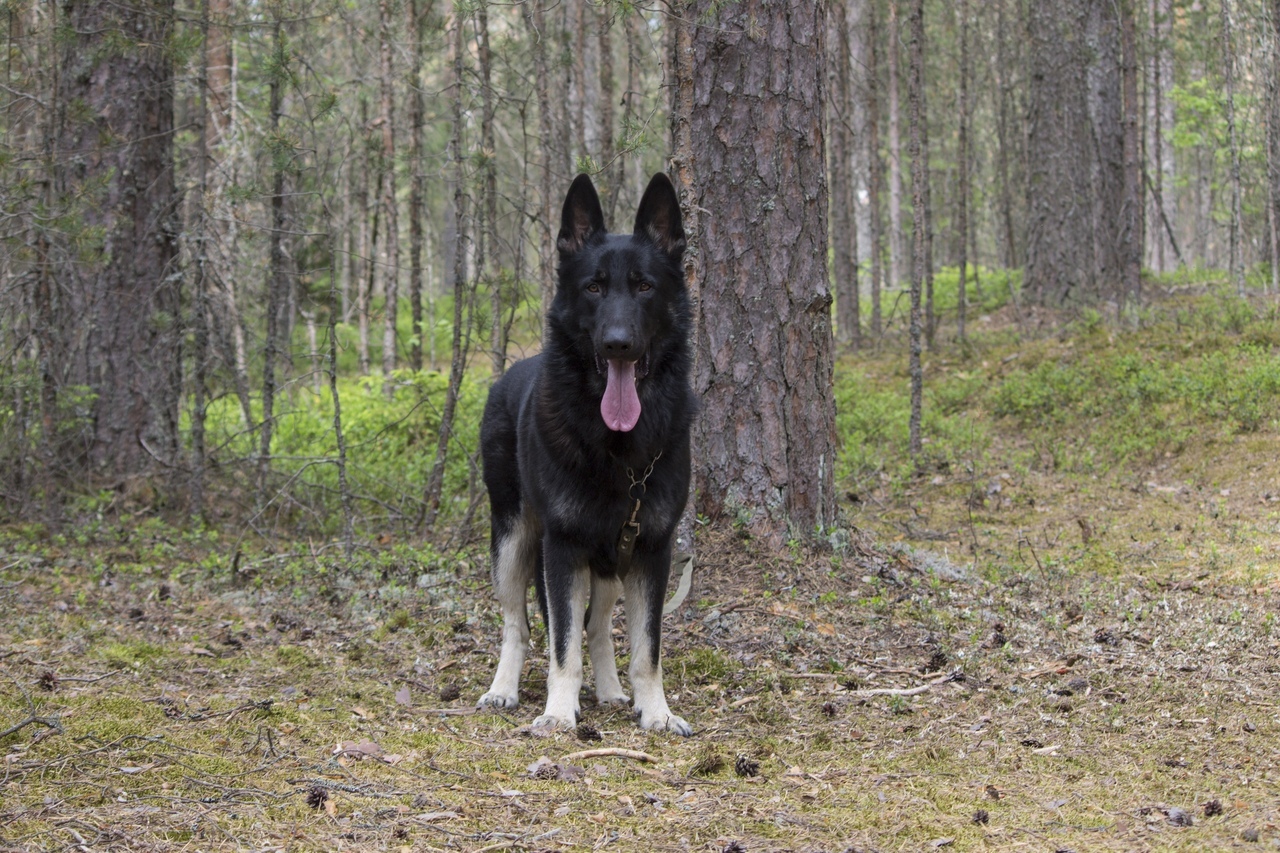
{"x":644,"y":287}
{"x":593,"y":287}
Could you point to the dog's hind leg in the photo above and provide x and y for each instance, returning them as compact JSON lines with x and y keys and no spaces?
{"x":644,"y":594}
{"x":568,"y":585}
{"x":604,"y":596}
{"x":514,"y":556}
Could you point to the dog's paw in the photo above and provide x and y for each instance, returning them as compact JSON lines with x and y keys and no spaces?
{"x":550,"y":722}
{"x":498,"y":701}
{"x":665,"y":722}
{"x":620,"y":700}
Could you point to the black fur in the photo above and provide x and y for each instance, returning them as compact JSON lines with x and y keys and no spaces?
{"x":557,"y":473}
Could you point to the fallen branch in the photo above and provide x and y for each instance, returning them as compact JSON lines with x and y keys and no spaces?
{"x":908,"y":691}
{"x":48,"y":722}
{"x":614,"y":752}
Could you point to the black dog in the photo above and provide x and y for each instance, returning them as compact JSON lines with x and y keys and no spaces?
{"x":586,"y":458}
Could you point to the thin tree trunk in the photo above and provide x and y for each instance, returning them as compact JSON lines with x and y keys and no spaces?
{"x":344,"y":490}
{"x":919,"y":177}
{"x":1273,"y":146}
{"x":486,"y":255}
{"x":875,"y":180}
{"x":200,"y":306}
{"x":368,"y":243}
{"x":604,"y":132}
{"x":930,"y":325}
{"x":896,"y":259}
{"x":1236,"y":264}
{"x":417,"y":17}
{"x":391,"y":268}
{"x":535,"y":19}
{"x":276,"y":272}
{"x":1131,"y":237}
{"x":457,"y":365}
{"x":962,"y":164}
{"x":680,"y":58}
{"x":1002,"y":136}
{"x":844,"y":226}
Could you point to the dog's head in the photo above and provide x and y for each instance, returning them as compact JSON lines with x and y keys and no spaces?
{"x":621,"y":299}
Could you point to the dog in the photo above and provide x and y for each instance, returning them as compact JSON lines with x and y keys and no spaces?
{"x":585,"y":449}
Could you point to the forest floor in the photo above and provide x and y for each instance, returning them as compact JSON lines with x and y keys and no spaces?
{"x":1036,"y":655}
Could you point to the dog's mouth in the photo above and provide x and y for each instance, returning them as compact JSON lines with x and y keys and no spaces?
{"x":620,"y":406}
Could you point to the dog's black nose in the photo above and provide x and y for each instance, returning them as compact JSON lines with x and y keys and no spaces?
{"x":618,"y":343}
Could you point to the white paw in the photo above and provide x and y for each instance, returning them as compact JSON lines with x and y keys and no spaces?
{"x":493,"y":699}
{"x":553,"y":723}
{"x":620,"y":699}
{"x":665,"y":722}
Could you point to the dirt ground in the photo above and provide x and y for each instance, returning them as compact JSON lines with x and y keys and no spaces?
{"x":843,"y":700}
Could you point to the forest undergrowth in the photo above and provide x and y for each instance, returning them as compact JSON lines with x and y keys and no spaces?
{"x":1058,"y":633}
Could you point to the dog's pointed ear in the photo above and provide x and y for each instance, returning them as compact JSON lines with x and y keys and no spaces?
{"x":582,"y":217}
{"x":658,"y":218}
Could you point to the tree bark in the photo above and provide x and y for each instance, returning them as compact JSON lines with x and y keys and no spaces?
{"x":391,"y":266}
{"x":766,"y":440}
{"x":1060,"y":237}
{"x":844,"y":225}
{"x":919,"y":178}
{"x":417,"y":19}
{"x":1106,"y":117}
{"x":535,"y":19}
{"x":487,"y":246}
{"x":277,"y":278}
{"x":461,"y":292}
{"x":1131,"y":237}
{"x":895,"y":152}
{"x":120,"y":326}
{"x":875,"y":179}
{"x":962,"y":164}
{"x":1236,"y":258}
{"x":1010,"y":256}
{"x":1273,"y":145}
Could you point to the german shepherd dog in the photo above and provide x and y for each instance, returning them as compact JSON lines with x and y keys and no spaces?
{"x":586,"y":459}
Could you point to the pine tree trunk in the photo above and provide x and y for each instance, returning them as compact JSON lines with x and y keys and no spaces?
{"x":765,"y":442}
{"x":895,"y":153}
{"x":1131,"y":242}
{"x":604,"y":130}
{"x":417,"y":19}
{"x":486,"y":253}
{"x":461,"y":292}
{"x":1236,"y":259}
{"x":1273,"y":145}
{"x":1106,"y":118}
{"x":844,"y":225}
{"x":875,"y":178}
{"x":962,"y":164}
{"x":276,"y":276}
{"x":919,"y":179}
{"x":118,"y":317}
{"x":391,"y":267}
{"x":200,"y":300}
{"x":1060,"y":257}
{"x":535,"y":19}
{"x":1003,"y":143}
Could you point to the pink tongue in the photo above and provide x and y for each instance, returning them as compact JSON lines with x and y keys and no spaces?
{"x":620,"y":407}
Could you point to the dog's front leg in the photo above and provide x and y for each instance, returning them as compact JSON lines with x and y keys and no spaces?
{"x":568,"y":584}
{"x":645,"y":590}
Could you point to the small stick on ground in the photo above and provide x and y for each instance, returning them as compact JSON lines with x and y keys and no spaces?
{"x":48,"y":722}
{"x":904,"y":691}
{"x":633,"y":754}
